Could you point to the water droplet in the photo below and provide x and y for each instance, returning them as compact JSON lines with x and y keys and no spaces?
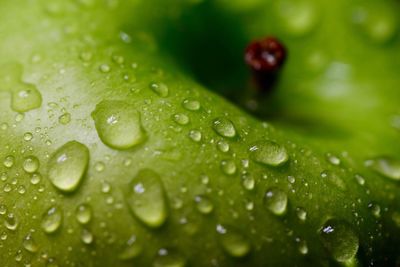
{"x":9,"y":161}
{"x":303,"y":248}
{"x":191,"y":104}
{"x":87,"y":237}
{"x":301,"y":214}
{"x":147,"y":198}
{"x":223,"y":146}
{"x":28,"y":136}
{"x":275,"y":200}
{"x":339,"y":239}
{"x":3,"y":209}
{"x":83,"y":213}
{"x":86,"y":56}
{"x":269,"y":153}
{"x":168,"y":258}
{"x":160,"y":89}
{"x":118,"y":124}
{"x":375,"y":209}
{"x":204,"y":204}
{"x":31,"y":164}
{"x":181,"y":119}
{"x":378,"y":21}
{"x":386,"y":166}
{"x":99,"y":166}
{"x":3,"y":236}
{"x":332,"y":159}
{"x":224,"y":127}
{"x":51,"y":220}
{"x":26,"y":98}
{"x":298,"y":17}
{"x":360,"y":180}
{"x":233,"y":242}
{"x":36,"y":178}
{"x":248,"y":181}
{"x":68,"y":165}
{"x":64,"y":118}
{"x":195,"y":135}
{"x":29,"y":244}
{"x":228,"y":167}
{"x":132,"y":249}
{"x":105,"y":68}
{"x":11,"y":222}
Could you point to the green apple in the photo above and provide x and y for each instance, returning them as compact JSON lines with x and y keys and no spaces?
{"x":115,"y":151}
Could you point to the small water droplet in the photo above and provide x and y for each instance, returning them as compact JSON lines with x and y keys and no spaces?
{"x":11,"y":222}
{"x":195,"y":135}
{"x":87,"y":236}
{"x":160,"y":89}
{"x":25,"y":98}
{"x":68,"y":165}
{"x":224,"y":127}
{"x":65,"y":118}
{"x":360,"y":180}
{"x":223,"y":146}
{"x":375,"y":209}
{"x":118,"y":124}
{"x":132,"y":249}
{"x":105,"y":68}
{"x":303,"y":248}
{"x":147,"y":198}
{"x":248,"y":181}
{"x":181,"y":119}
{"x":3,"y":209}
{"x":269,"y":153}
{"x":386,"y":166}
{"x":51,"y":220}
{"x":31,"y":164}
{"x":28,"y":136}
{"x":9,"y":161}
{"x":301,"y":214}
{"x":204,"y":204}
{"x":36,"y":178}
{"x":275,"y":200}
{"x":29,"y":244}
{"x":83,"y":213}
{"x":191,"y":104}
{"x":99,"y":166}
{"x":339,"y":239}
{"x":332,"y":159}
{"x":233,"y":242}
{"x":228,"y":167}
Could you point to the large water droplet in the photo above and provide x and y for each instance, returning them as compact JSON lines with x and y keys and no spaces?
{"x":386,"y":166}
{"x":269,"y":153}
{"x":68,"y":165}
{"x":146,"y":198}
{"x":25,"y":98}
{"x":233,"y":242}
{"x":132,"y":249}
{"x":118,"y":124}
{"x":339,"y":239}
{"x":29,"y":244}
{"x":51,"y":220}
{"x":83,"y":213}
{"x":31,"y":164}
{"x":275,"y":200}
{"x":168,"y":258}
{"x":224,"y":127}
{"x":195,"y":135}
{"x":9,"y":161}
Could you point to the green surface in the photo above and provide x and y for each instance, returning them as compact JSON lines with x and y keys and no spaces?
{"x":115,"y":151}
